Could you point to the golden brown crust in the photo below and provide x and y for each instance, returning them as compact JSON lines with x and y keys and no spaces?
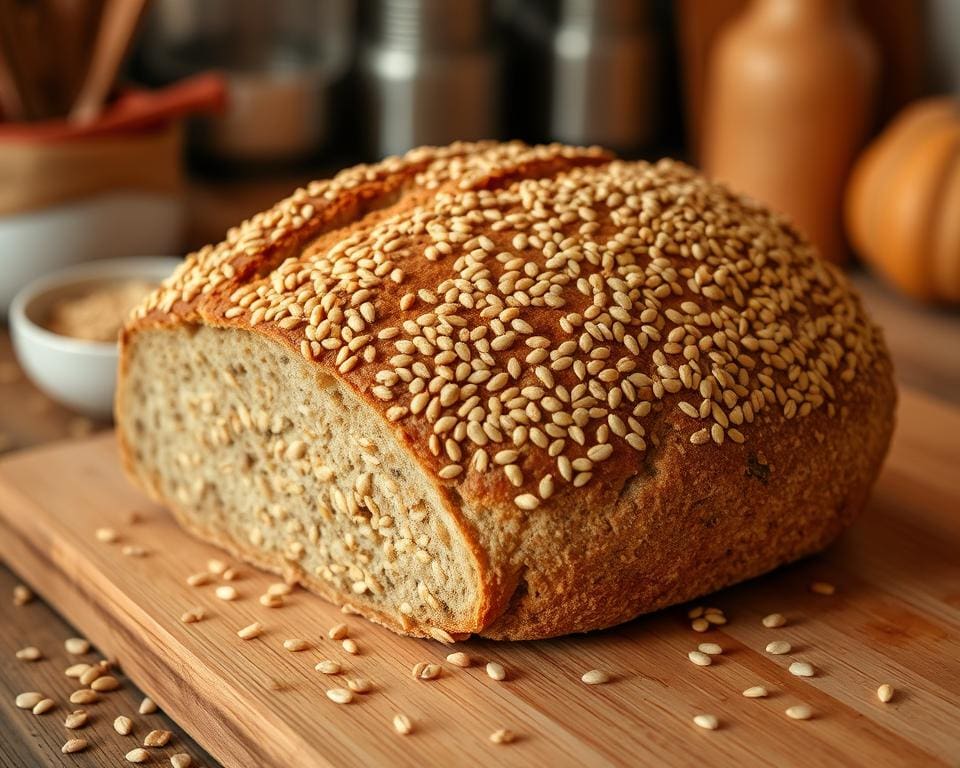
{"x":536,"y":363}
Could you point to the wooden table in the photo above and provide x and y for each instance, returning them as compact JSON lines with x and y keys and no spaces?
{"x":926,"y":349}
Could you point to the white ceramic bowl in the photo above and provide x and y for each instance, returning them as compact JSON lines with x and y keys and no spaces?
{"x":77,"y":373}
{"x":108,"y":226}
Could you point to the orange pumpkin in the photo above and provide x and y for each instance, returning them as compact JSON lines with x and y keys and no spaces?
{"x":903,"y":201}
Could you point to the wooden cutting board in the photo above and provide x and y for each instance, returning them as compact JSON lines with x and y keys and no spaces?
{"x":895,"y":618}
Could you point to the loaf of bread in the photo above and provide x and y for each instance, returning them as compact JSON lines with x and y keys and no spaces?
{"x":506,"y":390}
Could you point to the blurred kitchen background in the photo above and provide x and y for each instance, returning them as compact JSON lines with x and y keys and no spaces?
{"x":136,"y":127}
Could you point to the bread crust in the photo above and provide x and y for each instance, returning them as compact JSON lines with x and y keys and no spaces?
{"x":661,"y":517}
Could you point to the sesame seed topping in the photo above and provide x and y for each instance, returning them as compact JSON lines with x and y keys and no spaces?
{"x":656,"y":293}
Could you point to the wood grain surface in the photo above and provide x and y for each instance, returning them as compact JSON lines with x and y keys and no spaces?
{"x":894,"y":619}
{"x":37,"y":625}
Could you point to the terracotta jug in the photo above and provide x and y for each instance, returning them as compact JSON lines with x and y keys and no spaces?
{"x":790,"y":93}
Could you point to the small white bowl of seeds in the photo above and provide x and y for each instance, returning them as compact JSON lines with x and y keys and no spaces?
{"x":64,"y":327}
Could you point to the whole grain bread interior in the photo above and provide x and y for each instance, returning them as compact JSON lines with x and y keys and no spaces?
{"x":507,"y":390}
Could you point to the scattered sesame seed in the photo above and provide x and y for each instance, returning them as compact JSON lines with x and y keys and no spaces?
{"x":885,"y":692}
{"x":402,"y":724}
{"x":774,"y":620}
{"x":74,"y":745}
{"x":502,"y":736}
{"x":106,"y":535}
{"x":193,"y":615}
{"x":227,"y":592}
{"x":801,"y":669}
{"x":250,"y":631}
{"x":134,"y":550}
{"x":711,"y":649}
{"x":700,"y":659}
{"x":147,"y":706}
{"x":700,"y":625}
{"x":426,"y":671}
{"x":30,"y":653}
{"x":216,"y":567}
{"x":181,"y":760}
{"x":91,"y":674}
{"x":84,"y":696}
{"x":158,"y":738}
{"x":360,"y":685}
{"x":76,"y":719}
{"x":595,"y":677}
{"x":76,"y":670}
{"x":340,"y":695}
{"x":76,"y":646}
{"x":105,"y":684}
{"x":716,"y":618}
{"x":695,"y":613}
{"x":822,"y":588}
{"x":271,"y":601}
{"x":460,"y":659}
{"x":123,"y":725}
{"x":799,"y":712}
{"x":279,"y":589}
{"x":231,"y":574}
{"x":708,"y":722}
{"x":779,"y":647}
{"x":350,"y":646}
{"x":43,"y":706}
{"x":328,"y":667}
{"x":338,"y":632}
{"x":198,"y":579}
{"x":496,"y":670}
{"x":21,"y":595}
{"x":138,"y":755}
{"x":296,"y":644}
{"x":756,"y":692}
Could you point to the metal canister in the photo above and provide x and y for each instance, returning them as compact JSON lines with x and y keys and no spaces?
{"x":605,"y":73}
{"x":430,"y":73}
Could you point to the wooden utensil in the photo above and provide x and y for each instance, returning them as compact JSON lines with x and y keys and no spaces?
{"x":117,"y":25}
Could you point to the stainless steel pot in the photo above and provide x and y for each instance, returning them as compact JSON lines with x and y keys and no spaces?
{"x":429,"y":72}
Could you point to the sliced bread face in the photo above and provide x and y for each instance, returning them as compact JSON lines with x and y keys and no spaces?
{"x":279,"y":463}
